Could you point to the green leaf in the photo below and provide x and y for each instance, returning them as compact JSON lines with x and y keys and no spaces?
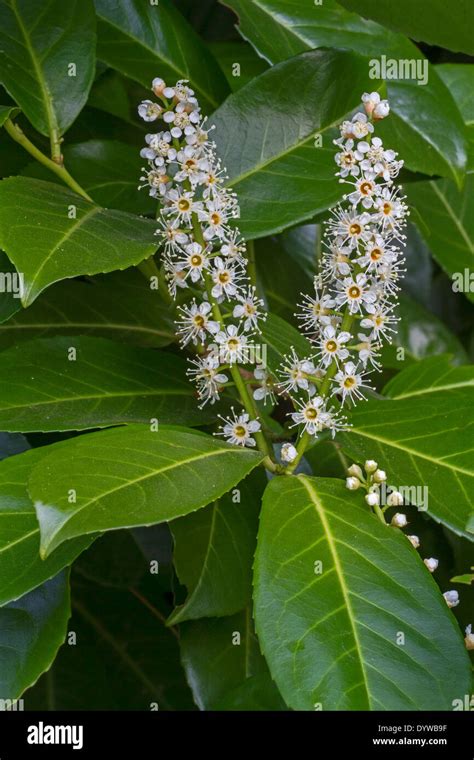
{"x":131,"y":476}
{"x":31,"y":631}
{"x":105,"y":383}
{"x":447,"y":225}
{"x":329,"y":632}
{"x":46,"y":245}
{"x":422,"y":435}
{"x":274,"y":265}
{"x":109,"y":172}
{"x":125,"y":658}
{"x":7,"y":112}
{"x":120,"y":305}
{"x":37,"y":47}
{"x":265,"y":135}
{"x":280,"y":29}
{"x":214,"y":550}
{"x":228,"y":54}
{"x":459,"y":79}
{"x":467,"y":579}
{"x":224,"y":667}
{"x":21,"y":568}
{"x":441,"y":24}
{"x":425,"y":126}
{"x":144,"y":41}
{"x":277,"y":337}
{"x":420,"y":333}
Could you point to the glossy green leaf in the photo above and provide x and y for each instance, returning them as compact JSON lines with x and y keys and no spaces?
{"x":21,"y":568}
{"x":459,"y":78}
{"x":422,"y":436}
{"x":239,"y":62}
{"x":214,"y":550}
{"x":425,"y":126}
{"x":439,"y":24}
{"x":7,"y":112}
{"x":51,"y":234}
{"x":10,"y":289}
{"x":224,"y":667}
{"x":108,"y":170}
{"x":265,"y":135}
{"x":329,"y":631}
{"x":280,"y":29}
{"x":144,"y":41}
{"x":284,"y":279}
{"x":120,"y":305}
{"x":37,"y":48}
{"x":420,"y":333}
{"x":277,"y":338}
{"x":131,"y":476}
{"x":31,"y":631}
{"x":77,"y":383}
{"x":445,"y":217}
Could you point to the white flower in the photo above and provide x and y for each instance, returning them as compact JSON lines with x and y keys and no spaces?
{"x":415,"y":541}
{"x":294,"y":372}
{"x":156,"y":181}
{"x":149,"y":111}
{"x":347,"y":160}
{"x":208,"y":379}
{"x":332,"y":345}
{"x":352,"y":483}
{"x":381,"y":110}
{"x":452,"y":598}
{"x":391,"y":210}
{"x":249,"y":309}
{"x":232,"y":345}
{"x":226,"y":279}
{"x":379,"y":321}
{"x":365,"y":189}
{"x":336,"y":260}
{"x":376,"y":253}
{"x":182,"y":203}
{"x":238,"y":429}
{"x":233,"y":247}
{"x":431,"y":563}
{"x":193,"y":261}
{"x":380,"y":476}
{"x":357,"y":128}
{"x":355,"y":292}
{"x":311,"y":414}
{"x":399,"y":520}
{"x":315,"y":311}
{"x":267,"y":386}
{"x":370,"y":100}
{"x":195,"y":323}
{"x":349,"y":226}
{"x":288,"y":453}
{"x":368,"y":351}
{"x":214,"y":217}
{"x":349,"y":383}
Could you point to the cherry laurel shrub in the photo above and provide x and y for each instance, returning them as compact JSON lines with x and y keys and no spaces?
{"x":222,"y":485}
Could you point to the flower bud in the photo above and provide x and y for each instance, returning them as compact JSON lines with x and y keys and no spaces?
{"x":431,"y":563}
{"x":355,"y":470}
{"x":469,"y":639}
{"x":352,"y":484}
{"x":370,"y":100}
{"x":451,"y":598}
{"x":415,"y":541}
{"x":370,"y":465}
{"x":288,"y":452}
{"x":381,"y":110}
{"x":380,"y":476}
{"x":372,"y":499}
{"x":158,"y":85}
{"x":399,"y":520}
{"x":395,"y":499}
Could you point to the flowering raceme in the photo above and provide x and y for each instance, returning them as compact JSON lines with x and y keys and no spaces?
{"x":347,"y":318}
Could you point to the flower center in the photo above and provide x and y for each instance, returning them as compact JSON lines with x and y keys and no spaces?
{"x":366,"y":188}
{"x":375,"y":254}
{"x":199,"y":320}
{"x":355,"y":229}
{"x":311,"y":413}
{"x":240,"y":431}
{"x":354,"y":291}
{"x":331,"y":346}
{"x":196,"y":260}
{"x":349,"y":382}
{"x":184,"y":204}
{"x":387,"y":209}
{"x":233,"y":343}
{"x":224,"y":277}
{"x":215,"y":218}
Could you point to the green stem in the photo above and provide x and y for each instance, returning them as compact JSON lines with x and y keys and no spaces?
{"x":19,"y":136}
{"x":251,"y":263}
